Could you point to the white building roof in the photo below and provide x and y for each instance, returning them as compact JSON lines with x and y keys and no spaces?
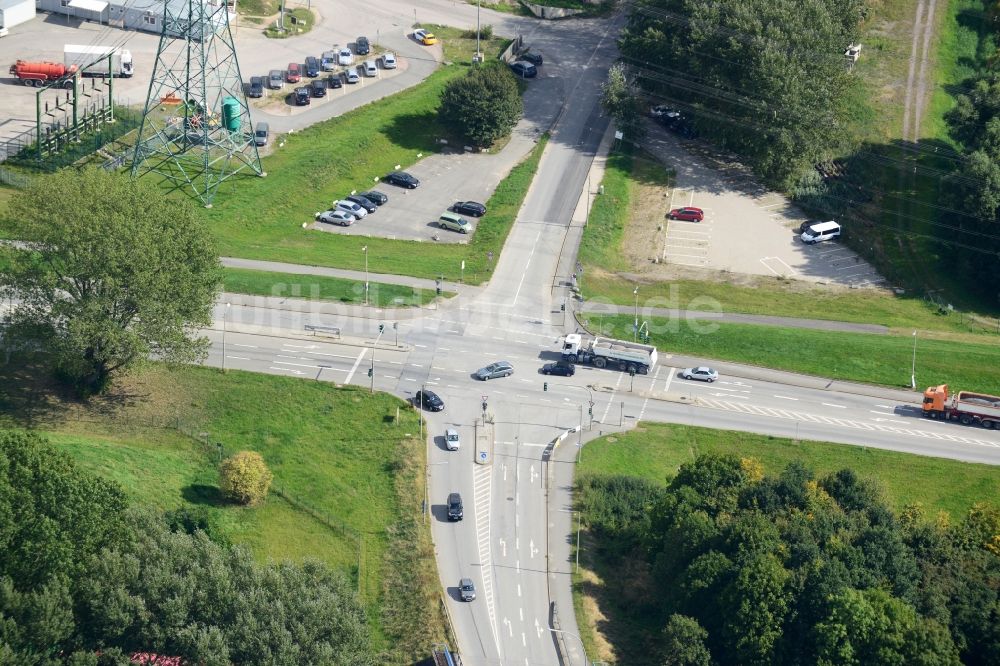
{"x":89,"y":5}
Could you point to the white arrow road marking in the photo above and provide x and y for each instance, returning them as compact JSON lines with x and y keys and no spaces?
{"x":532,"y":551}
{"x":532,"y":471}
{"x":510,"y":629}
{"x":538,"y":628}
{"x":503,"y":547}
{"x":294,"y":372}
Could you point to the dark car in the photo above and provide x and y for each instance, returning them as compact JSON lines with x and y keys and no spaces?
{"x":375,"y":197}
{"x":334,"y":81}
{"x":318,"y":88}
{"x":534,"y":58}
{"x":363,"y":202}
{"x":362,"y":46}
{"x":302,"y":96}
{"x":455,"y":511}
{"x":524,"y":69}
{"x":402,"y":179}
{"x":561,"y":368}
{"x":312,"y":67}
{"x":469,"y":208}
{"x":428,"y":400}
{"x":256,"y":86}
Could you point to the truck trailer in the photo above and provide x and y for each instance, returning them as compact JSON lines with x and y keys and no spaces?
{"x":93,"y":60}
{"x":604,"y":352}
{"x":41,"y":73}
{"x":964,"y":406}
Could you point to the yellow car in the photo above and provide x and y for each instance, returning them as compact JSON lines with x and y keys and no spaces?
{"x":424,"y":37}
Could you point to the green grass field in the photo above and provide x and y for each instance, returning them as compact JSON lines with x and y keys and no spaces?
{"x":319,"y":287}
{"x":654,"y":451}
{"x":333,"y":453}
{"x":875,"y":359}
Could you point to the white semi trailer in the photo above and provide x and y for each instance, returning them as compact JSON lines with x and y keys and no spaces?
{"x":93,"y":60}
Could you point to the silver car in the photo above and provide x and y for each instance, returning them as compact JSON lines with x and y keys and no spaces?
{"x":350,"y":207}
{"x":494,"y":370}
{"x":340,"y":217}
{"x":467,"y":589}
{"x":451,"y":440}
{"x":701,"y":373}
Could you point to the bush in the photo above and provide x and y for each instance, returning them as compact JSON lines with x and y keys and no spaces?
{"x":244,"y":478}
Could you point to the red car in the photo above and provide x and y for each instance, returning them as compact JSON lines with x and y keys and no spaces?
{"x":687,"y":214}
{"x":294,"y":72}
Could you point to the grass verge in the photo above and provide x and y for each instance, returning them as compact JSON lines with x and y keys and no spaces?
{"x":338,"y":457}
{"x":297,"y":22}
{"x":459,"y":45}
{"x":860,"y":357}
{"x":323,"y":288}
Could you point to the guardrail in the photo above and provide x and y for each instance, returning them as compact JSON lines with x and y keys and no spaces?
{"x":325,"y":331}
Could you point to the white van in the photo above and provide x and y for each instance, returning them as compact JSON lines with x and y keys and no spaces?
{"x":820,"y":232}
{"x":371,"y":69}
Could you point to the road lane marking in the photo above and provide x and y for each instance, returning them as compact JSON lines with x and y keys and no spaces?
{"x":354,"y":368}
{"x":236,"y":344}
{"x":670,"y":378}
{"x":784,"y":397}
{"x":831,"y":405}
{"x":524,"y":273}
{"x":242,"y":358}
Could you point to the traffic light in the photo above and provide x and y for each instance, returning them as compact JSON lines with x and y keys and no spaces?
{"x":545,"y":386}
{"x":381,"y":327}
{"x":369,"y":372}
{"x":590,"y":411}
{"x":631,"y":371}
{"x":484,"y":405}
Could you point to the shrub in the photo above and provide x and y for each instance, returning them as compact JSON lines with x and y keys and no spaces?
{"x":244,"y":478}
{"x":482,"y":106}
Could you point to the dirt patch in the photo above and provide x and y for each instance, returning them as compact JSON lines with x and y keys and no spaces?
{"x":643,"y":238}
{"x":594,"y":617}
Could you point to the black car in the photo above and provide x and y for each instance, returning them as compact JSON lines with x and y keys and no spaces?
{"x":256,"y":86}
{"x":363,"y":202}
{"x":375,"y":197}
{"x":334,"y":81}
{"x":361,"y":46}
{"x":318,"y":88}
{"x":455,"y":511}
{"x":302,"y":96}
{"x":312,"y":67}
{"x":524,"y":69}
{"x":428,"y":400}
{"x":534,"y":58}
{"x":560,"y":368}
{"x":469,"y":208}
{"x":402,"y":179}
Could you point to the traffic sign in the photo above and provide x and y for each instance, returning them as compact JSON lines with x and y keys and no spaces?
{"x":482,"y":456}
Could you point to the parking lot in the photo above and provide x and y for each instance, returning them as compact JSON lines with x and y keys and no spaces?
{"x":747,"y":229}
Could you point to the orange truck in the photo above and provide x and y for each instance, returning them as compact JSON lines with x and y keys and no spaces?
{"x":964,"y":406}
{"x":41,"y":73}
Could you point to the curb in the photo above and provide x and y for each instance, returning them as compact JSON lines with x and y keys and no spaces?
{"x":273,"y":332}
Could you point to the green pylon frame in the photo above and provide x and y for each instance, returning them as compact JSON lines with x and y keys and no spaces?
{"x":186,"y":136}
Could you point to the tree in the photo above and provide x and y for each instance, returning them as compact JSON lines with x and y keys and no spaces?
{"x":684,"y":642}
{"x":245,"y":478}
{"x":620,"y":100}
{"x":482,"y":106}
{"x":116,"y":272}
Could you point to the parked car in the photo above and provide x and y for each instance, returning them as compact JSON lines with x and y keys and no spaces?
{"x":467,"y":589}
{"x":701,"y":373}
{"x":345,"y":57}
{"x":375,"y":197}
{"x":369,"y":206}
{"x":318,"y":88}
{"x":454,"y":223}
{"x":424,"y":37}
{"x":560,"y":368}
{"x":662,"y":111}
{"x":256,"y":86}
{"x":343,"y":218}
{"x":823,"y":231}
{"x":260,"y":134}
{"x":328,"y":61}
{"x":276,"y":79}
{"x":495,"y":370}
{"x":294,"y":72}
{"x":688,"y":214}
{"x":469,"y":208}
{"x":361,"y":46}
{"x":351,"y":74}
{"x":402,"y":179}
{"x":808,"y":223}
{"x":428,"y":400}
{"x":350,"y":207}
{"x":534,"y":58}
{"x":524,"y":69}
{"x":388,"y":61}
{"x":451,"y":440}
{"x":371,"y":69}
{"x":302,"y":96}
{"x":455,"y":510}
{"x":334,"y":81}
{"x":312,"y":67}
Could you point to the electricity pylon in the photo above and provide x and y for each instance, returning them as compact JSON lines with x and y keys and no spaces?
{"x":196,"y":130}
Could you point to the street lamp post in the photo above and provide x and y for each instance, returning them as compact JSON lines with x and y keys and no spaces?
{"x":395,"y":327}
{"x":635,"y":325}
{"x":477,"y":31}
{"x":365,"y":250}
{"x":913,"y":366}
{"x":225,"y":317}
{"x":371,"y":372}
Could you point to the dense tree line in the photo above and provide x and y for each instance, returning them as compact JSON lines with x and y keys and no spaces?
{"x":87,"y":579}
{"x":763,"y":78}
{"x":729,"y":566}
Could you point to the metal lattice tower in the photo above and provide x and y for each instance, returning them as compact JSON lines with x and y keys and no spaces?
{"x":196,"y":130}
